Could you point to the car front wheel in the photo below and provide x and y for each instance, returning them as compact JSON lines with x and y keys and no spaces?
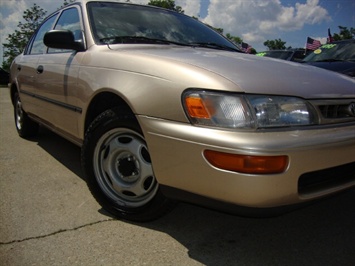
{"x":118,"y":168}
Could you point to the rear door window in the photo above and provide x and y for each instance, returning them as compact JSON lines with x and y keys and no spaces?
{"x":37,"y":46}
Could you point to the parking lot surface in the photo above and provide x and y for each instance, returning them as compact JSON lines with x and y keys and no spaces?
{"x":48,"y":217}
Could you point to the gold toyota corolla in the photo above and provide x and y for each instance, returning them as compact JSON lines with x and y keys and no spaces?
{"x":165,"y":108}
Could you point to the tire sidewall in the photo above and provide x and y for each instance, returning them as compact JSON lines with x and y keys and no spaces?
{"x":28,"y":127}
{"x":107,"y":121}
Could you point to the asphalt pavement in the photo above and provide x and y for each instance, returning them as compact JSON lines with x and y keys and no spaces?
{"x":48,"y":217}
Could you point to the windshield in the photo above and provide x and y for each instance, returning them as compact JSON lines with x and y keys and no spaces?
{"x":113,"y":23}
{"x":341,"y":51}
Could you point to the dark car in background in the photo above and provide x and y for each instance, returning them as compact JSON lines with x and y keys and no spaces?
{"x":337,"y":56}
{"x":296,"y":55}
{"x":4,"y":77}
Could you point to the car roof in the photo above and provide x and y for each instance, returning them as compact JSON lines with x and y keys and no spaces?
{"x":86,"y":1}
{"x":112,"y":1}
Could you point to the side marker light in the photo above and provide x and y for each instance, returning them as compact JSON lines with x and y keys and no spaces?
{"x":247,"y":163}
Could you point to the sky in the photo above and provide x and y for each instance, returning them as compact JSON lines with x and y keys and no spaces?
{"x":255,"y":21}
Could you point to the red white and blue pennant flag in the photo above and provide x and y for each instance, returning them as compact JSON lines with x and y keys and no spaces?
{"x":330,"y":38}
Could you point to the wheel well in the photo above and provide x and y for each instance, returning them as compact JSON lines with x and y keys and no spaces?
{"x":13,"y":89}
{"x":103,"y":102}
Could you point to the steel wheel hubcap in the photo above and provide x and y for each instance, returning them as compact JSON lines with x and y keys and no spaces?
{"x":19,"y":114}
{"x":123,"y":168}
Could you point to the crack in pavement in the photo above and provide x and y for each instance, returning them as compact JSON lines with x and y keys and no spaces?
{"x":56,"y":232}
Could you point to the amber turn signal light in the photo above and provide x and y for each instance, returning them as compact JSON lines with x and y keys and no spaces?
{"x":196,"y":108}
{"x":246,"y":163}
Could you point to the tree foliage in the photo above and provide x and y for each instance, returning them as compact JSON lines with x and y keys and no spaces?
{"x":344,"y":34}
{"x":234,"y":39}
{"x":219,"y":30}
{"x":276,"y":44}
{"x":17,"y":41}
{"x":168,"y":4}
{"x":67,"y":2}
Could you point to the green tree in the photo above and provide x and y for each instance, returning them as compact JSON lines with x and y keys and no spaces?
{"x":344,"y":34}
{"x":252,"y":51}
{"x":219,"y":30}
{"x":168,"y":4}
{"x":276,"y":44}
{"x":67,"y":2}
{"x":17,"y":41}
{"x":234,"y":39}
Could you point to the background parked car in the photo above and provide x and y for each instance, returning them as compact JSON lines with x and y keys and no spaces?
{"x":4,"y":77}
{"x":296,"y":55}
{"x":337,"y":56}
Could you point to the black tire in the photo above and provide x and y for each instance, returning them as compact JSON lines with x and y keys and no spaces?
{"x":118,"y":169}
{"x":25,"y":127}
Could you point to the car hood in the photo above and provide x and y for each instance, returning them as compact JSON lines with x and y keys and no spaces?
{"x":254,"y":74}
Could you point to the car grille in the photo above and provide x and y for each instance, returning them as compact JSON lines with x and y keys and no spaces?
{"x":322,"y":180}
{"x":336,"y":111}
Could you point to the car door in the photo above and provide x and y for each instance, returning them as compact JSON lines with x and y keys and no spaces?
{"x":26,"y":66}
{"x":57,"y":79}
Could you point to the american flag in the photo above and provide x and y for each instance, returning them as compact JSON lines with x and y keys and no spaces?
{"x":312,"y":44}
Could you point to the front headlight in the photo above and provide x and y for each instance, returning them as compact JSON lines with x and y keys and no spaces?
{"x":228,"y":110}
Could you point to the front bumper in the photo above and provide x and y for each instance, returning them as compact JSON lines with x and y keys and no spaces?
{"x":176,"y":151}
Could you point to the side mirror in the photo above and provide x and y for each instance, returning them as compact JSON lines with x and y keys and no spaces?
{"x":62,"y":39}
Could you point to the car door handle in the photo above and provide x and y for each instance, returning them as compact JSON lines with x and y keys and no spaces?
{"x":19,"y":67}
{"x":40,"y":69}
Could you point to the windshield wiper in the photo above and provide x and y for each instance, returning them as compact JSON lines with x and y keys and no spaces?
{"x":146,"y":40}
{"x":138,"y":39}
{"x":217,"y":46}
